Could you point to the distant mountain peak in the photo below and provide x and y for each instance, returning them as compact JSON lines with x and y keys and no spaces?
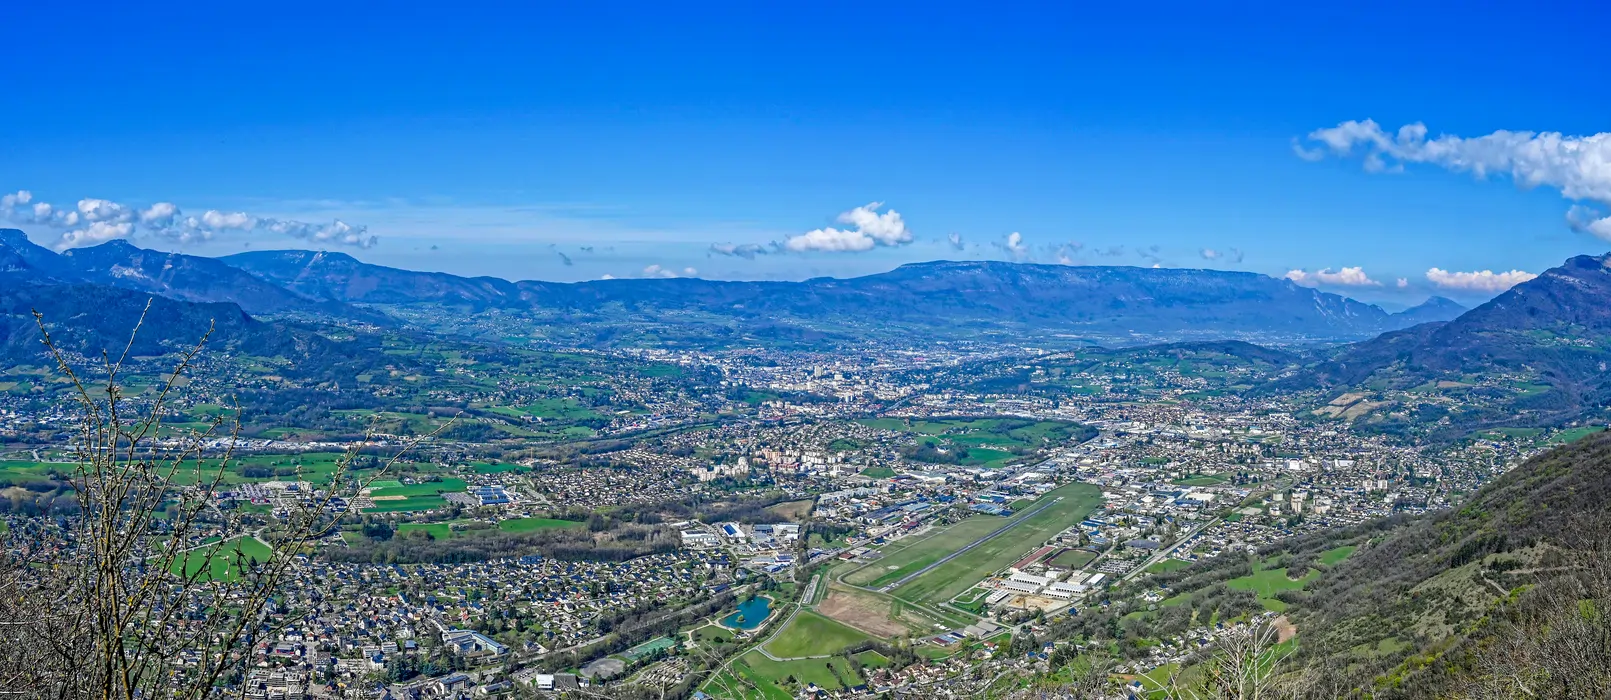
{"x":11,"y":236}
{"x":1435,"y":308}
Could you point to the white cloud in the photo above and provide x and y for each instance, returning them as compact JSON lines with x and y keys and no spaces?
{"x":1480,"y":281}
{"x":218,"y":220}
{"x":1589,"y":220}
{"x":11,"y":201}
{"x":1211,"y":254}
{"x":159,"y":214}
{"x":1578,"y":166}
{"x":1345,"y":277}
{"x":831,"y":240}
{"x":95,"y":221}
{"x":1015,"y":246}
{"x":1402,"y":283}
{"x":665,"y":272}
{"x":96,"y":210}
{"x":871,"y":229}
{"x":95,"y":234}
{"x":955,"y":239}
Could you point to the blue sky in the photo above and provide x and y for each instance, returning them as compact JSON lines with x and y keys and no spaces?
{"x":629,"y":139}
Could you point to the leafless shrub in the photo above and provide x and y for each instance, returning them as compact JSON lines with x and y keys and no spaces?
{"x":1554,"y":639}
{"x":149,"y":590}
{"x":1244,"y":665}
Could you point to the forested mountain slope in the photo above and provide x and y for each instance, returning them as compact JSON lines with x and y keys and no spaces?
{"x":1435,"y":607}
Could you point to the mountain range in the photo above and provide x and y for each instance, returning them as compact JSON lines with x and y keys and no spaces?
{"x":1535,"y":355}
{"x":942,"y":300}
{"x":173,"y":275}
{"x":936,"y":298}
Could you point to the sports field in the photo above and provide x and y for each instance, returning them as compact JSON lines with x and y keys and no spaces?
{"x":1068,"y":505}
{"x":406,"y":497}
{"x":645,"y":649}
{"x":448,"y":485}
{"x":1072,"y":559}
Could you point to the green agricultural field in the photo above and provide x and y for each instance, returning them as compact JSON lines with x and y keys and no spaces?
{"x":872,"y":659}
{"x":832,"y":674}
{"x":810,"y":634}
{"x":220,"y":561}
{"x":1571,"y":435}
{"x":22,"y":472}
{"x":660,"y":371}
{"x":745,"y":682}
{"x":1070,"y":504}
{"x":986,"y":457}
{"x":486,"y":468}
{"x":1167,"y":565}
{"x":534,"y":524}
{"x":441,"y":531}
{"x":559,"y":409}
{"x":315,"y":467}
{"x":878,"y":472}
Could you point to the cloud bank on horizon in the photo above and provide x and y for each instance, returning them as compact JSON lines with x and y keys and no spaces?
{"x":95,"y":221}
{"x":1483,"y":281}
{"x":1476,"y":282}
{"x":1345,"y":277}
{"x":1579,"y":167}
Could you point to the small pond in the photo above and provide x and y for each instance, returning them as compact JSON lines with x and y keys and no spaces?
{"x":751,"y":613}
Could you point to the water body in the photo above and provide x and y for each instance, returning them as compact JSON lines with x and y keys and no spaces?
{"x":751,"y":613}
